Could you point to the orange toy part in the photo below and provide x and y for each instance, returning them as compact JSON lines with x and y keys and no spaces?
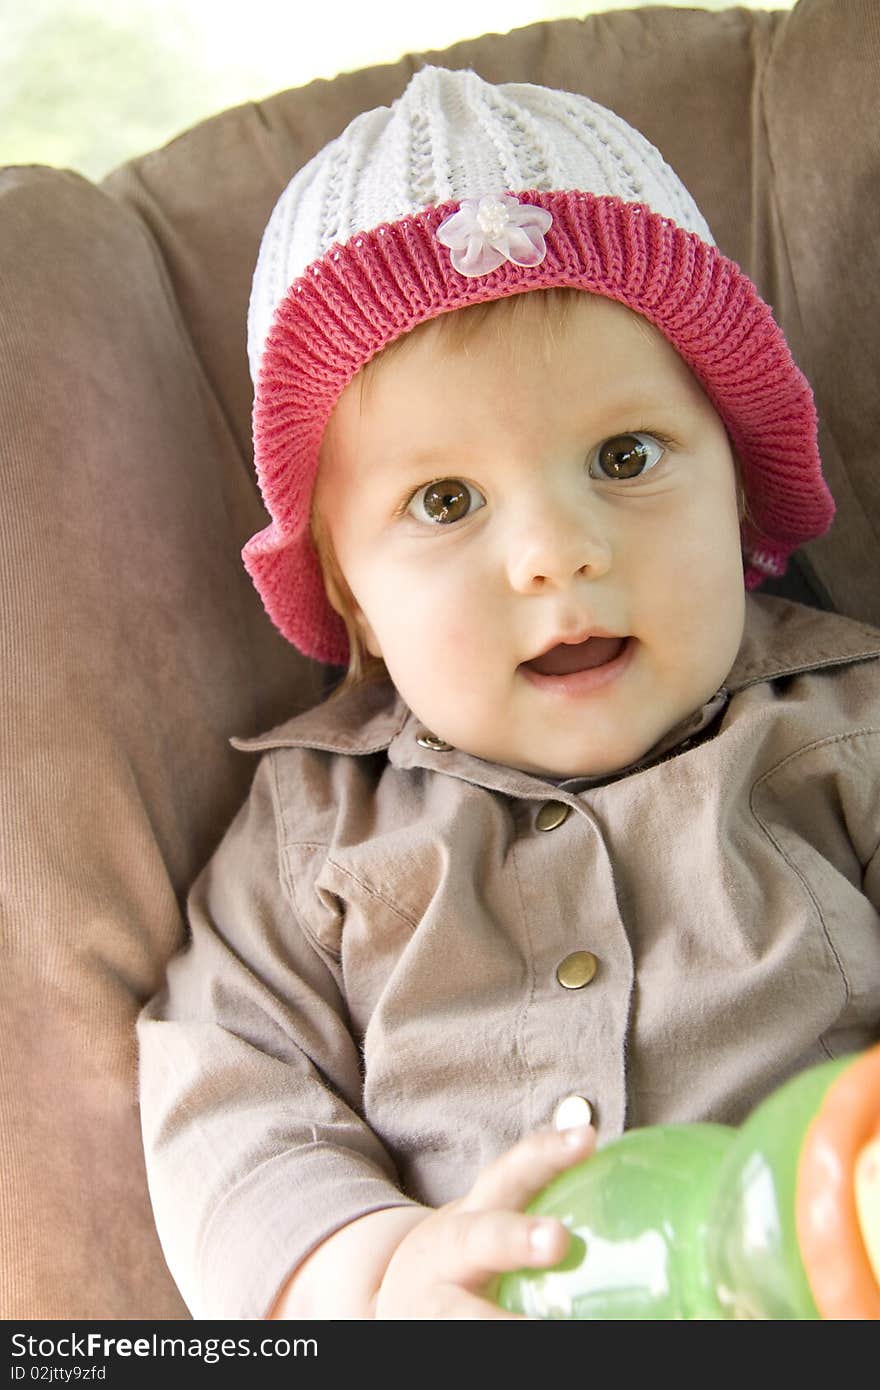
{"x":833,"y":1251}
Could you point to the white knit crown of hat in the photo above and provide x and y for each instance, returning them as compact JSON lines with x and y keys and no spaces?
{"x":452,"y":136}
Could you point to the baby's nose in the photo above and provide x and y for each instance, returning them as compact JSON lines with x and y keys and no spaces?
{"x":551,"y":549}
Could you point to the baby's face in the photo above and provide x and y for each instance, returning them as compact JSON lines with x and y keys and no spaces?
{"x":487,"y":506}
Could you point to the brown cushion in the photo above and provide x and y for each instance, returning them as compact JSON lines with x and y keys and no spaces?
{"x":132,"y":647}
{"x":815,"y":256}
{"x":133,"y":641}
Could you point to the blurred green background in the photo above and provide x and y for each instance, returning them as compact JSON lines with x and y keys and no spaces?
{"x":86,"y":84}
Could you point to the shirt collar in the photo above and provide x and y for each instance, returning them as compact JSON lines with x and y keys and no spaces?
{"x":780,"y":638}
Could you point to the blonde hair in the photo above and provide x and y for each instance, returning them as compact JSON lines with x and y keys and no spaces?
{"x":548,"y":310}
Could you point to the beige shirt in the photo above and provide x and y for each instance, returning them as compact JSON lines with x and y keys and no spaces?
{"x":369,"y":1010}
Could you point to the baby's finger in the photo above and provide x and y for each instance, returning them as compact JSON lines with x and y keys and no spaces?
{"x":520,"y":1173}
{"x":477,"y":1245}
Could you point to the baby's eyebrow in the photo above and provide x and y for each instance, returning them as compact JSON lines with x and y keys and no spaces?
{"x":418,"y":460}
{"x":593,"y":419}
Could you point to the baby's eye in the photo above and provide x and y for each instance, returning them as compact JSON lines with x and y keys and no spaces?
{"x":445,"y":501}
{"x":628,"y":455}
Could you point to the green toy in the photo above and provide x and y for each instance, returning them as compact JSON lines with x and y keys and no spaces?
{"x":779,"y":1219}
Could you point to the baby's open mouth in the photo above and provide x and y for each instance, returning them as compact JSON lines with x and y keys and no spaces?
{"x":566,"y":657}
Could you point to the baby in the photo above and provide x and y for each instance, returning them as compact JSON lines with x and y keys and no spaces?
{"x":587,"y":836}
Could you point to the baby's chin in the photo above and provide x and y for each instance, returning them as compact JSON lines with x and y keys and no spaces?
{"x":553,"y":746}
{"x":578,"y":764}
{"x":601,"y":767}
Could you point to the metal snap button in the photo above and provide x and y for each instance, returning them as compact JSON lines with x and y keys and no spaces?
{"x":434,"y":743}
{"x":572,"y":1111}
{"x":551,"y":814}
{"x":577,"y":969}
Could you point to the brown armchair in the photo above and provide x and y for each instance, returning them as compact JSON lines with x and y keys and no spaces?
{"x":133,"y":642}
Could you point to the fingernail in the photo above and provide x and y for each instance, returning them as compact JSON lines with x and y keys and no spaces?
{"x":542,"y":1238}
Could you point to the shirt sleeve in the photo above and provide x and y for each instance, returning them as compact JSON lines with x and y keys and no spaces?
{"x":250,"y":1086}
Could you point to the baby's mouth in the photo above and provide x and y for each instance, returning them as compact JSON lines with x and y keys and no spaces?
{"x":566,"y":657}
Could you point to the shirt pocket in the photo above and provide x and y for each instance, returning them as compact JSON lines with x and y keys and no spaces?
{"x":356,"y":924}
{"x":314,"y":892}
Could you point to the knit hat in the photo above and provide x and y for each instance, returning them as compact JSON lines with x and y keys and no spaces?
{"x":462,"y":192}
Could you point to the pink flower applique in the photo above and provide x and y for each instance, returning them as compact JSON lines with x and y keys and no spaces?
{"x":487,"y":231}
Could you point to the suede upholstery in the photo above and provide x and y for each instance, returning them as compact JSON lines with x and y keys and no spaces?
{"x":133,"y":643}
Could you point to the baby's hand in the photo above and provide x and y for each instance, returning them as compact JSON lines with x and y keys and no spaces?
{"x":447,"y":1265}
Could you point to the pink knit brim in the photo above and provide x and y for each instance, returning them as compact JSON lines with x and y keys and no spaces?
{"x":360,"y":296}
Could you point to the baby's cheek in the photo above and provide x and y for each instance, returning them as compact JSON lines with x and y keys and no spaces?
{"x":475,"y":650}
{"x":444,"y":624}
